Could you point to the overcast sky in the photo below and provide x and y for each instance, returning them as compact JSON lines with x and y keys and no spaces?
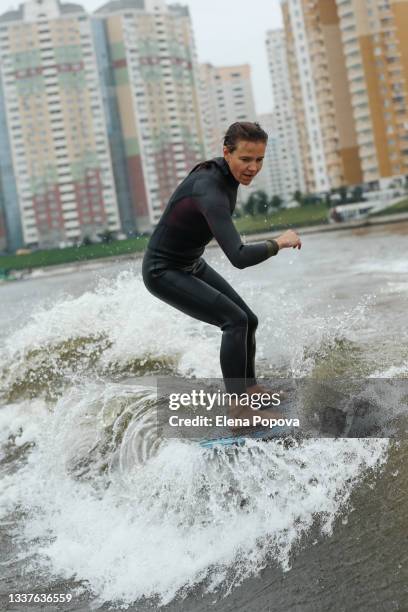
{"x":227,"y":32}
{"x":233,"y":32}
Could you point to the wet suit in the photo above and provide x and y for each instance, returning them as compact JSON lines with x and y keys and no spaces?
{"x":174,"y":271}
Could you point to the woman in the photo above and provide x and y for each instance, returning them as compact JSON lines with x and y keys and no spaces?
{"x":200,"y":209}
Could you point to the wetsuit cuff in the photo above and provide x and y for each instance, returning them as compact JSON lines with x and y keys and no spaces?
{"x":273,"y":247}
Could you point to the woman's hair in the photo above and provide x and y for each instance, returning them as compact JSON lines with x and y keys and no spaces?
{"x":243,"y":130}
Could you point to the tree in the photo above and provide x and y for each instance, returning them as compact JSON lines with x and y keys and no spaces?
{"x":357,"y":194}
{"x":309,"y":199}
{"x":262,"y":203}
{"x":86,"y":241}
{"x":298,"y":197}
{"x":276,"y":202}
{"x":106,"y":236}
{"x":257,"y":203}
{"x":343,"y":194}
{"x":250,"y":205}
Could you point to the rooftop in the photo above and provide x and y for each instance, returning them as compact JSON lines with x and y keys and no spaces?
{"x":18,"y":15}
{"x":120,"y":5}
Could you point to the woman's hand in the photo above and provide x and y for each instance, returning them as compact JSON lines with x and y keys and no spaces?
{"x":289,"y":239}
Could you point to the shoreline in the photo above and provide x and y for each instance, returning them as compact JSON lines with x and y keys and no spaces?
{"x":71,"y":267}
{"x":336,"y":227}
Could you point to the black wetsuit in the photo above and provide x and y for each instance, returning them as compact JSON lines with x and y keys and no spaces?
{"x":174,"y":271}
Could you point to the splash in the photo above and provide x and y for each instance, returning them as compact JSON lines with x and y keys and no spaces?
{"x":106,"y":502}
{"x":186,"y":516}
{"x":111,"y":332}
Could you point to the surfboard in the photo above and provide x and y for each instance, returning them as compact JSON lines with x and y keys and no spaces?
{"x":264,"y":435}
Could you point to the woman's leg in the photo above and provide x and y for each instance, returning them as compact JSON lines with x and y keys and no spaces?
{"x":212,"y":278}
{"x":198,"y":299}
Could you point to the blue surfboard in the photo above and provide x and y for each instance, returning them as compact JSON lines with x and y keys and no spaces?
{"x":274,"y":433}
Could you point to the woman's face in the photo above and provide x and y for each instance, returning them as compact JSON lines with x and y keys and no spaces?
{"x":246,"y":161}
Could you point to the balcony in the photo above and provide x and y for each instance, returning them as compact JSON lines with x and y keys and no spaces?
{"x":365,"y":141}
{"x":367,"y":153}
{"x":399,"y":101}
{"x":329,"y":132}
{"x":332,"y":159}
{"x":345,"y":12}
{"x":402,"y":124}
{"x":349,"y":38}
{"x":361,"y":114}
{"x":387,"y":23}
{"x":351,"y":47}
{"x":348,"y":21}
{"x":368,"y":161}
{"x":357,"y":87}
{"x":353,"y":64}
{"x":363,"y":125}
{"x":358,"y":99}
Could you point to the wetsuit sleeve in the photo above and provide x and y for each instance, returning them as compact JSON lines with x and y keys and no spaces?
{"x":214,"y":205}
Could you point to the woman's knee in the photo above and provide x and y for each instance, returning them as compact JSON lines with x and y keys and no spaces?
{"x":252,"y":320}
{"x":237,"y":319}
{"x":230,"y":314}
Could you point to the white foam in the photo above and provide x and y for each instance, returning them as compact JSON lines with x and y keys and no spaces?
{"x":133,"y":529}
{"x":181,"y":518}
{"x":394,"y":371}
{"x":135,"y":324}
{"x":132,"y":325}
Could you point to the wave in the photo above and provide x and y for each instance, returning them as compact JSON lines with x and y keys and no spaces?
{"x":185,"y":516}
{"x":105,"y":502}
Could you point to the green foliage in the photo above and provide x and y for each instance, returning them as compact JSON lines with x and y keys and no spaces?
{"x":259,"y":204}
{"x":107,"y":236}
{"x":306,"y":199}
{"x":86,"y":241}
{"x":284,"y":218}
{"x":262,"y":203}
{"x":276,"y":202}
{"x":342,"y":192}
{"x":357,"y":194}
{"x":310,"y":199}
{"x":73,"y":254}
{"x":250,"y":205}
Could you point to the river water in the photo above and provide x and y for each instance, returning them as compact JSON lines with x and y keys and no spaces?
{"x":93,"y":503}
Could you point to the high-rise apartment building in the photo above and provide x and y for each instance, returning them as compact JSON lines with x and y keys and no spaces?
{"x":332,"y":94}
{"x":288,"y":170}
{"x":269,"y":179}
{"x":349,"y":72}
{"x":54,"y":117}
{"x":3,"y":235}
{"x":11,"y":235}
{"x":375,"y":47}
{"x":152,"y":77}
{"x":304,"y":89}
{"x":210,"y":110}
{"x":226,"y":97}
{"x":323,"y":102}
